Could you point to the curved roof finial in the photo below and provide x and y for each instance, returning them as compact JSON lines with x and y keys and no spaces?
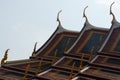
{"x":34,"y":50}
{"x":58,"y":17}
{"x":84,"y":15}
{"x":111,"y":13}
{"x":5,"y":57}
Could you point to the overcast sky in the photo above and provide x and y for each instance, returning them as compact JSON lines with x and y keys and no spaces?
{"x":24,"y":22}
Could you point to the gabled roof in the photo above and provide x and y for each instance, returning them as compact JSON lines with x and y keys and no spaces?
{"x":58,"y":40}
{"x":85,"y":31}
{"x":54,"y":40}
{"x":106,"y":64}
{"x":84,"y":41}
{"x":111,"y":46}
{"x":58,"y":32}
{"x":76,"y":55}
{"x":64,"y":64}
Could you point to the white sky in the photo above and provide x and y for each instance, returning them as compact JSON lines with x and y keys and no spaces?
{"x":23,"y":22}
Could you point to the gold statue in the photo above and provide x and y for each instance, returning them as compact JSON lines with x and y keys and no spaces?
{"x":5,"y":57}
{"x":71,"y":73}
{"x":39,"y":67}
{"x":54,"y":57}
{"x":26,"y":72}
{"x":81,"y":63}
{"x":34,"y":50}
{"x":111,"y":13}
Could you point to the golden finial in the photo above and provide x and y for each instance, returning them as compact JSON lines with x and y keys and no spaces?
{"x":58,"y":17}
{"x":5,"y":57}
{"x":34,"y":50}
{"x":39,"y":67}
{"x":111,"y":13}
{"x":2,"y":61}
{"x":81,"y":63}
{"x":84,"y":15}
{"x":99,"y":43}
{"x":55,"y":56}
{"x":26,"y":72}
{"x":71,"y":73}
{"x":91,"y":54}
{"x":67,"y":45}
{"x":6,"y":54}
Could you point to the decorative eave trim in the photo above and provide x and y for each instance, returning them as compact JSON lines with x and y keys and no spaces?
{"x":75,"y":78}
{"x":42,"y":73}
{"x":89,"y":26}
{"x":58,"y":61}
{"x":19,"y":63}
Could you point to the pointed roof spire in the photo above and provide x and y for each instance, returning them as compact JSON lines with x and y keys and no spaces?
{"x":111,"y":13}
{"x":34,"y":50}
{"x":5,"y":57}
{"x":84,"y":15}
{"x":59,"y":23}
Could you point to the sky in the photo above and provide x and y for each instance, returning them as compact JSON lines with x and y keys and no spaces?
{"x":24,"y":22}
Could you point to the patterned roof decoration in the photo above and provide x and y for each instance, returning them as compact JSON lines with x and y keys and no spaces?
{"x":91,"y":54}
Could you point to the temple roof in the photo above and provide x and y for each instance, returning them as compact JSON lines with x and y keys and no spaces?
{"x":91,"y":54}
{"x":59,"y":34}
{"x":106,"y":64}
{"x":64,"y":64}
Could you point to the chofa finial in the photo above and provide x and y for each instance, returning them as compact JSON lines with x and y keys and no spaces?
{"x":58,"y":17}
{"x":5,"y":57}
{"x":84,"y":15}
{"x":34,"y":50}
{"x":111,"y":13}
